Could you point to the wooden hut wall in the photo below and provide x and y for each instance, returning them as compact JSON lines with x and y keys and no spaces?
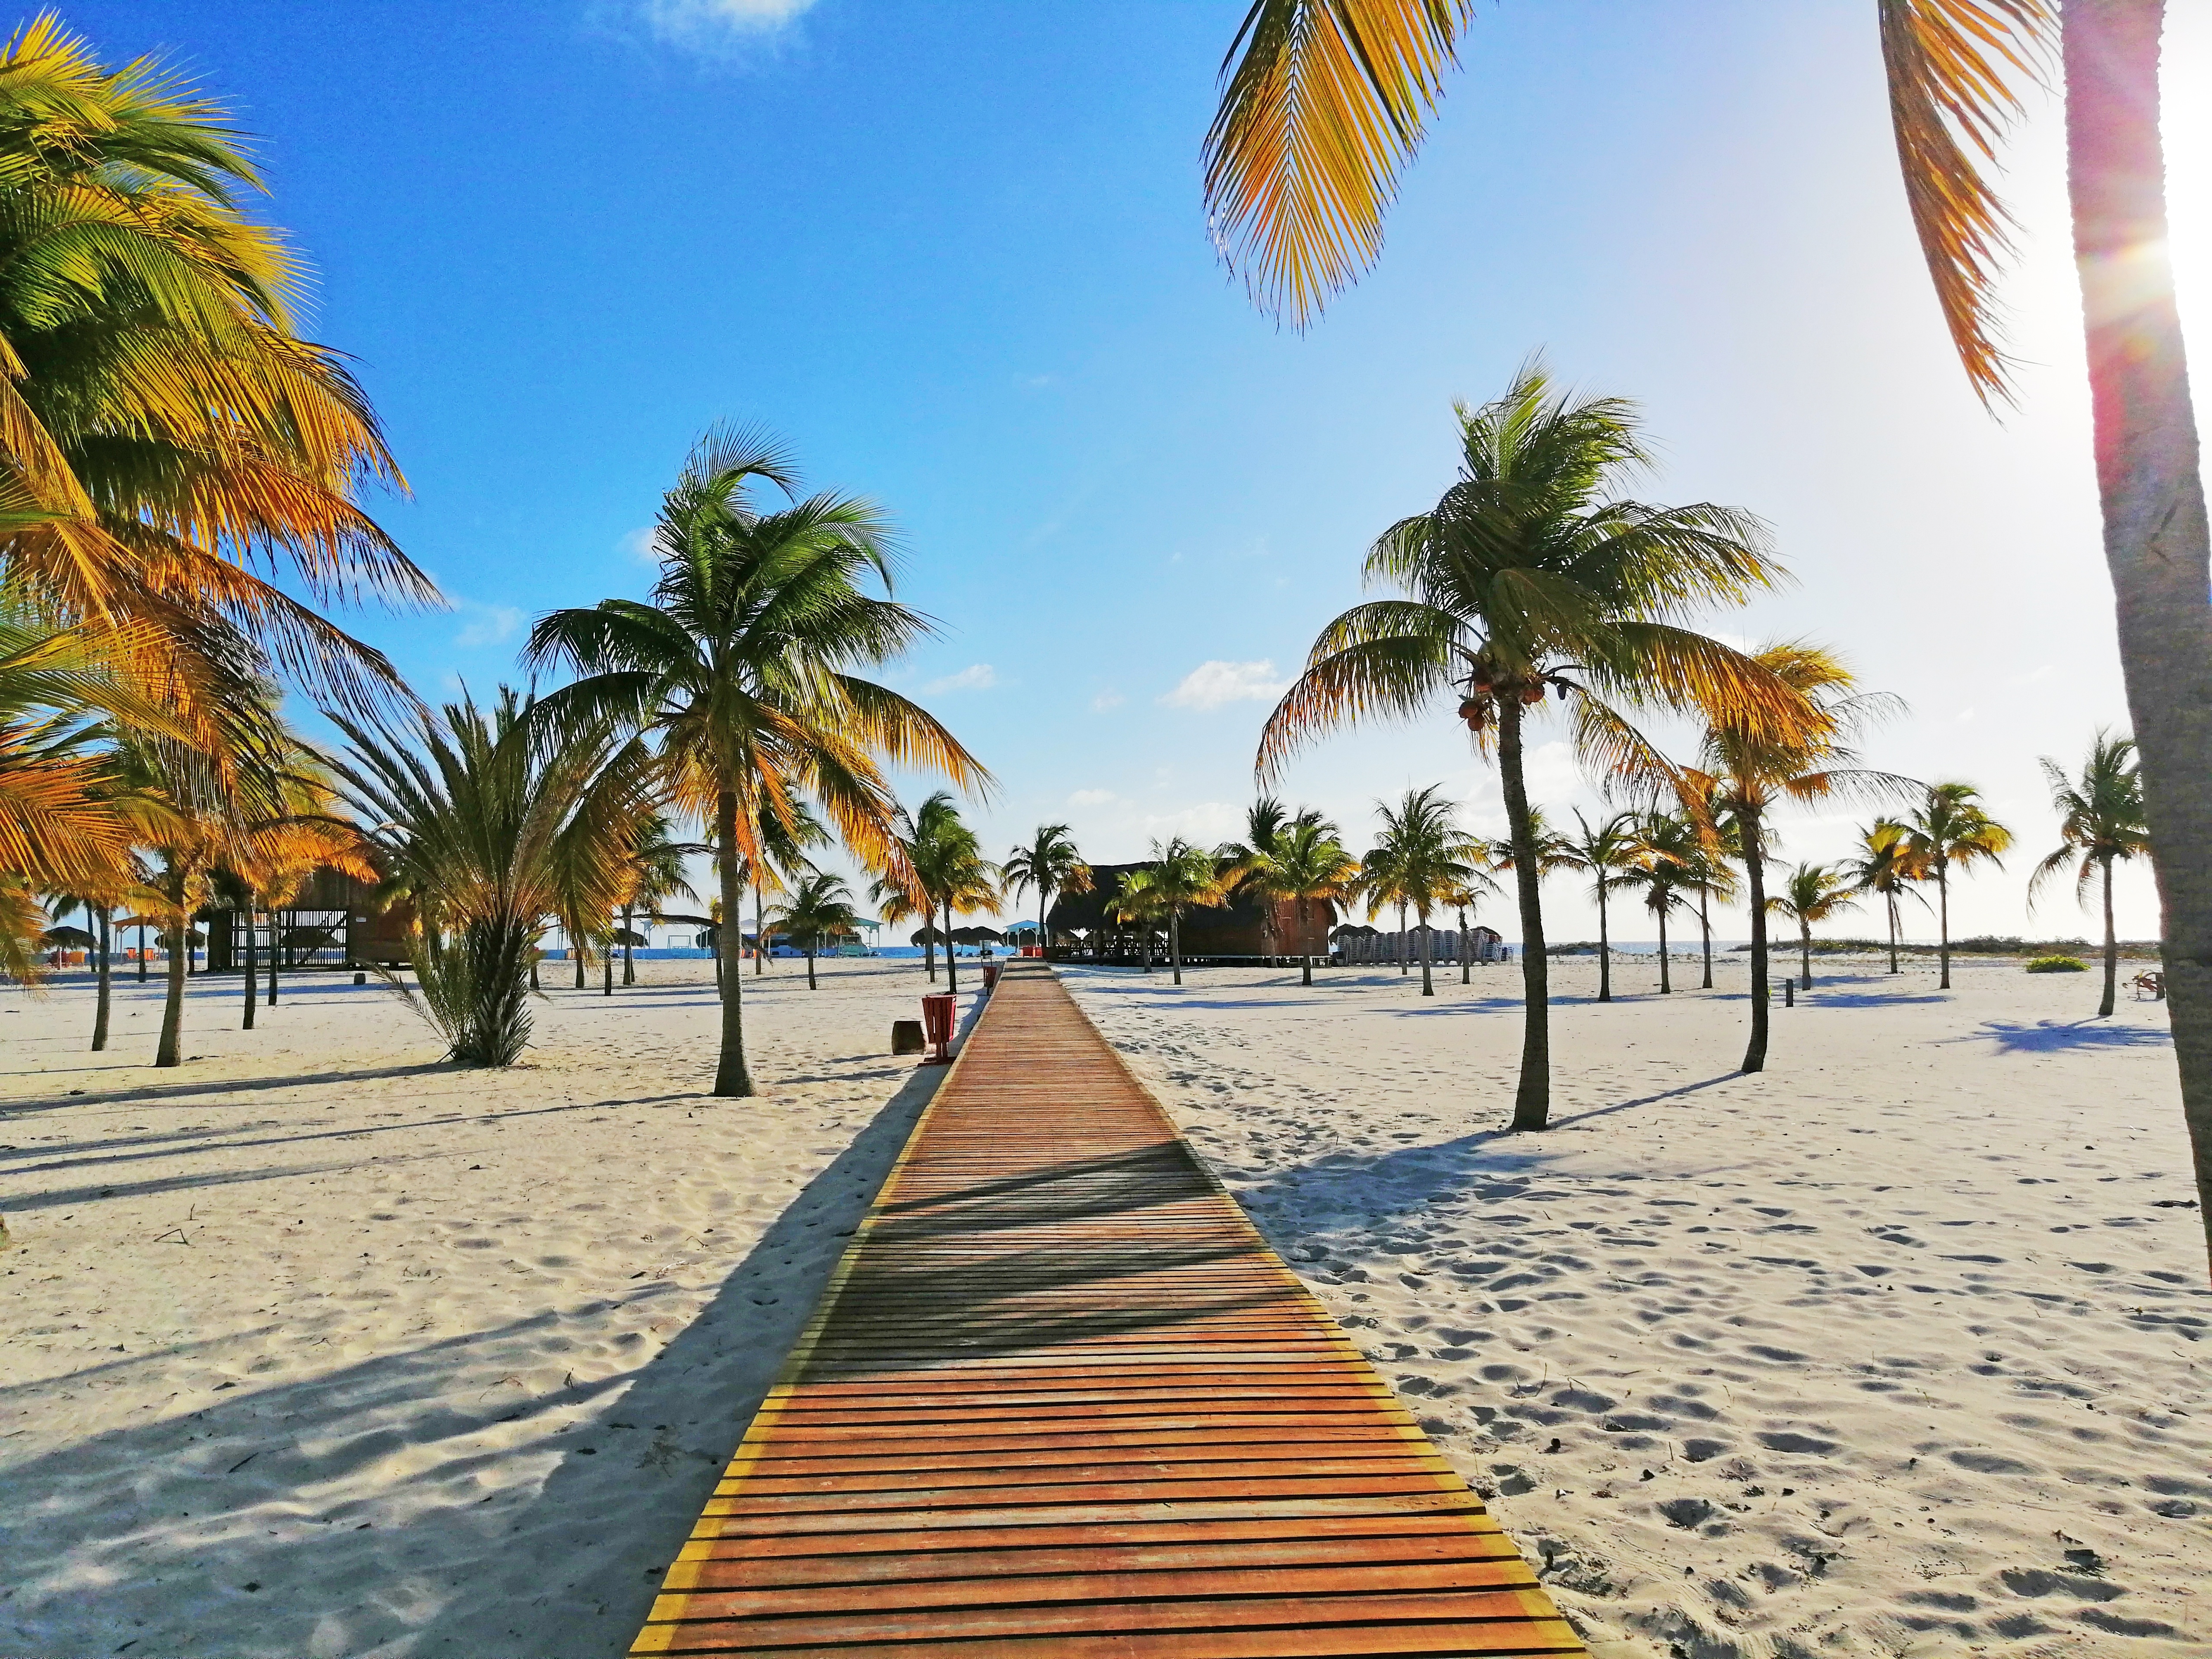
{"x":1238,"y":929}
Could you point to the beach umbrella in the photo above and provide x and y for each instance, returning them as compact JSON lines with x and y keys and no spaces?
{"x":65,"y":939}
{"x":632,"y":937}
{"x":926,"y":936}
{"x":978,"y":936}
{"x":1355,"y":930}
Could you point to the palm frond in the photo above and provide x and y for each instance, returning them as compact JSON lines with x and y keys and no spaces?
{"x":1319,"y":115}
{"x":1950,"y":66}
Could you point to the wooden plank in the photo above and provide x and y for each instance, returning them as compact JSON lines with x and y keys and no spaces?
{"x":1059,"y":1399}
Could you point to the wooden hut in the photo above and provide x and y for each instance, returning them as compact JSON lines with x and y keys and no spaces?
{"x":331,"y":922}
{"x":1246,"y":930}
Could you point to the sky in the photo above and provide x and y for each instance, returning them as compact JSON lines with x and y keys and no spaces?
{"x":955,"y":257}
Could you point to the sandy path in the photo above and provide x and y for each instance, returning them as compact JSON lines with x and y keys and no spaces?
{"x":1896,"y":1350}
{"x":318,"y":1347}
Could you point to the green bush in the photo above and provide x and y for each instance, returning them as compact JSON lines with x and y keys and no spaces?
{"x":2058,"y":965}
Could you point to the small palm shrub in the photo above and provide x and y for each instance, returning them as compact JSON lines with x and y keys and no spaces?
{"x":2058,"y":965}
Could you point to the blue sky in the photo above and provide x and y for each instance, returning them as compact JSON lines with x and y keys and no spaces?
{"x":954,"y":256}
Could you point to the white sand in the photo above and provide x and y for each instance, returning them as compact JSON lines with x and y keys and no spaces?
{"x":1895,"y":1327}
{"x":1896,"y":1349}
{"x":316,"y":1347}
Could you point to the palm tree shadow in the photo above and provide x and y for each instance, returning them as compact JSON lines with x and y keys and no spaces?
{"x":1489,"y":1164}
{"x":644,"y":1449}
{"x":2052,"y":1037}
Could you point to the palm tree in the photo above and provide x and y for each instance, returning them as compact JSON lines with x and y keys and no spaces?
{"x":1528,"y":577}
{"x":1268,"y":822}
{"x":1183,"y":876}
{"x":1050,"y":863}
{"x":789,"y":841}
{"x":1463,"y":898}
{"x":739,"y":669}
{"x":946,"y":871}
{"x":820,"y":905}
{"x":1886,"y":864}
{"x":1326,"y":106}
{"x":1811,"y":893}
{"x":264,"y":823}
{"x":1424,"y":859}
{"x":1378,"y":883}
{"x":1610,"y":850}
{"x":1670,"y":861}
{"x":1949,"y":829}
{"x":164,"y":429}
{"x":1137,"y":899}
{"x":1745,"y":771}
{"x":2100,"y":822}
{"x":656,"y":875}
{"x":487,"y":827}
{"x":1304,"y":863}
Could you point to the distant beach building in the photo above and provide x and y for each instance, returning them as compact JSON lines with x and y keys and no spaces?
{"x":1246,"y":931}
{"x":1356,"y":945}
{"x":331,"y":922}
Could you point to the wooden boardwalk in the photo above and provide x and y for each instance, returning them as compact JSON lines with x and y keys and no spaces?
{"x":1061,"y":1399}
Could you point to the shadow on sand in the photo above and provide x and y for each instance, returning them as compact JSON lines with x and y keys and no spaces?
{"x":1491,"y":1165}
{"x":2053,"y":1036}
{"x":592,"y":1535}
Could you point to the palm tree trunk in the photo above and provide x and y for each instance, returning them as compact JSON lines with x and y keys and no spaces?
{"x":1805,"y":947}
{"x":276,"y":956}
{"x":576,"y":950}
{"x":1705,"y":929}
{"x":951,"y":963}
{"x":1175,"y":943}
{"x":101,"y":1002}
{"x":1890,"y":900}
{"x":1754,"y":870}
{"x":141,"y":953}
{"x":1428,"y":985}
{"x":168,"y":1053}
{"x":760,"y":930}
{"x":2156,"y":543}
{"x":1666,"y":979}
{"x":607,"y":970}
{"x":1405,"y":967}
{"x":731,"y":1076}
{"x":813,"y":943}
{"x":629,"y":957}
{"x":2112,"y":947}
{"x":1532,"y":1097}
{"x":1466,"y":953}
{"x":1604,"y":946}
{"x":1943,"y":922}
{"x":929,"y":945}
{"x":253,"y":974}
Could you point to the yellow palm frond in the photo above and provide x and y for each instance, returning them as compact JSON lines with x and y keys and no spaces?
{"x":1950,"y":66}
{"x":1319,"y":115}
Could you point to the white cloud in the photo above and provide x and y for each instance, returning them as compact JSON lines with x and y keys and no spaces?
{"x":1206,"y":823}
{"x":1092,"y":798}
{"x":1106,"y":699}
{"x":494,"y":624}
{"x":976,"y":677}
{"x":1210,"y":684}
{"x":637,"y":544}
{"x":708,"y":23}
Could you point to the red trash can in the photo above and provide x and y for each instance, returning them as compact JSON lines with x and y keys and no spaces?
{"x":991,"y":976}
{"x":937,"y":1018}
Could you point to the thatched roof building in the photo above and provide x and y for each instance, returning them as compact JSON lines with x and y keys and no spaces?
{"x":1244,"y":928}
